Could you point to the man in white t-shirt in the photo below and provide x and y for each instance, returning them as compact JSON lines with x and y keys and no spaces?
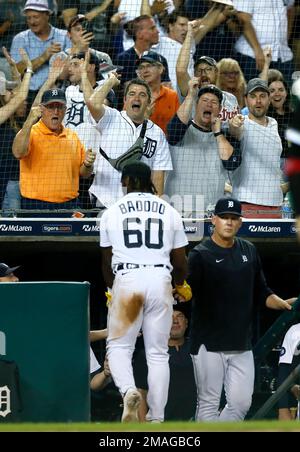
{"x":265,"y":24}
{"x":119,"y":131}
{"x":256,"y":183}
{"x":142,"y":240}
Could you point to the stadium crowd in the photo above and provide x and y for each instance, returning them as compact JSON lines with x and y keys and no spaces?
{"x":176,"y":47}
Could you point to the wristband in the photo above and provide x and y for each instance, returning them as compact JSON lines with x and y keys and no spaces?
{"x":218,"y":133}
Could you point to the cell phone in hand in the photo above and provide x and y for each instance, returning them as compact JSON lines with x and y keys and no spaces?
{"x":87,"y":26}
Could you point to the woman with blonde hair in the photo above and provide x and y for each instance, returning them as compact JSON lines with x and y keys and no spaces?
{"x":230,"y":78}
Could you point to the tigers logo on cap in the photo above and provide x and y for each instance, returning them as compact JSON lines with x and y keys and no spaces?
{"x":228,"y":205}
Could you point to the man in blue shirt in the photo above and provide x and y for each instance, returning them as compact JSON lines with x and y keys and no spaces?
{"x":40,"y":41}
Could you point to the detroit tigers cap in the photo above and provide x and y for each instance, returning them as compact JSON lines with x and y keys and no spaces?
{"x":137,"y":169}
{"x":211,"y":89}
{"x":257,"y":83}
{"x":5,"y":270}
{"x":54,"y":95}
{"x":228,"y":205}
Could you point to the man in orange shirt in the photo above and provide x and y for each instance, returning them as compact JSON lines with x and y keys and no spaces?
{"x":52,"y":157}
{"x":165,"y":101}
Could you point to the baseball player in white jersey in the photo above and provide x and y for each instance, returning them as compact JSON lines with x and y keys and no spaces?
{"x":119,"y":131}
{"x":289,"y":359}
{"x":142,"y":240}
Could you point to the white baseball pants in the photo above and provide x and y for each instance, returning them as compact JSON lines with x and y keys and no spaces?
{"x":141,"y":299}
{"x":234,"y":370}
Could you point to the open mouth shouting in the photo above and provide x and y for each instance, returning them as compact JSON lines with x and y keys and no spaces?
{"x":204,"y":81}
{"x":136,"y":107}
{"x":207,"y":114}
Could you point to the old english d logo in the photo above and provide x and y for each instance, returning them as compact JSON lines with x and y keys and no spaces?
{"x":74,"y":114}
{"x":4,"y":401}
{"x":149,"y":148}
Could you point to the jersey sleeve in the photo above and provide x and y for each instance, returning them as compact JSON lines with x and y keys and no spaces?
{"x":162,"y":157}
{"x":195,"y":270}
{"x":94,"y":365}
{"x":180,"y":238}
{"x":260,"y":285}
{"x":106,"y":120}
{"x":288,"y":347}
{"x":104,"y":236}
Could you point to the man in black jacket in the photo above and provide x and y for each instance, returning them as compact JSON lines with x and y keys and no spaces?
{"x":224,"y":273}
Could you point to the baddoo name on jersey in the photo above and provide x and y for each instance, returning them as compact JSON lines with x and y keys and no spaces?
{"x":142,"y":206}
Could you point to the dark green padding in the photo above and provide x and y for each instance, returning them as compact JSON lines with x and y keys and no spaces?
{"x":44,"y":330}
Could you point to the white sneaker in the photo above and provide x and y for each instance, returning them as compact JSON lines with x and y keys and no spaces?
{"x":132,"y":402}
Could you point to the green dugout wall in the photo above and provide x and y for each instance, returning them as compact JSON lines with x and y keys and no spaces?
{"x":44,"y":329}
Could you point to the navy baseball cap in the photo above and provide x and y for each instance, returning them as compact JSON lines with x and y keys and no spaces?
{"x":54,"y":95}
{"x":228,"y":205}
{"x":151,"y":57}
{"x":211,"y":89}
{"x":137,"y":169}
{"x":257,"y":83}
{"x":5,"y":270}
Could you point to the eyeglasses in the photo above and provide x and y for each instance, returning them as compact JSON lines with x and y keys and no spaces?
{"x":204,"y":69}
{"x":144,"y":67}
{"x":55,"y":107}
{"x":230,"y":73}
{"x":215,"y":103}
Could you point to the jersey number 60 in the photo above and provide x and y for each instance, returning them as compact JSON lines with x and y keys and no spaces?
{"x":133,"y":238}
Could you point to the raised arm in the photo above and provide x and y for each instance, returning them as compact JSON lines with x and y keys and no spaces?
{"x":268,"y":58}
{"x":145,"y":8}
{"x":96,"y":102}
{"x":21,"y":141}
{"x":86,"y":86}
{"x":15,"y":74}
{"x":183,"y":59}
{"x":98,"y":10}
{"x":250,"y":34}
{"x":184,"y":112}
{"x":67,"y":14}
{"x":21,"y":94}
{"x":54,"y":72}
{"x":212,"y":19}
